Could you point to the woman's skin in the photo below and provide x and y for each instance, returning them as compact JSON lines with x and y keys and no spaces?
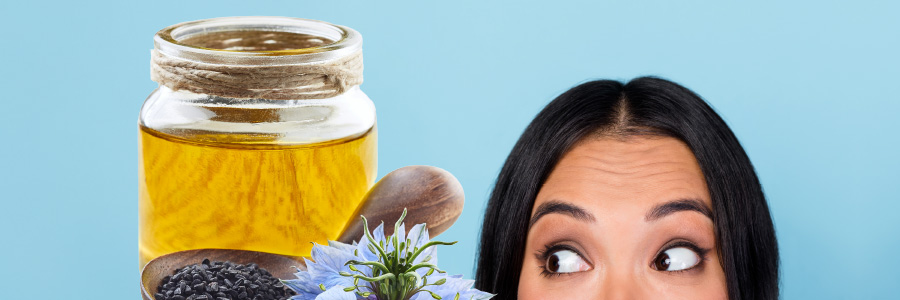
{"x":609,"y":211}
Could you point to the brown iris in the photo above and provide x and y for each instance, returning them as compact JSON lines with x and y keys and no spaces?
{"x":662,"y":262}
{"x":553,"y":263}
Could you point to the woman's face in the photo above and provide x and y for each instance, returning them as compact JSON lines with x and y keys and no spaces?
{"x":623,"y":219}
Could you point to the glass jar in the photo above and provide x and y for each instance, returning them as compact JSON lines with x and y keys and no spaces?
{"x":260,"y":160}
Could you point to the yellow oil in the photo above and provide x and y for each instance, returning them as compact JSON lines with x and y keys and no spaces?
{"x":195,"y":193}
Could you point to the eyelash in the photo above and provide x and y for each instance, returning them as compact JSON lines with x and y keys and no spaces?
{"x":544,"y":254}
{"x":701,"y":252}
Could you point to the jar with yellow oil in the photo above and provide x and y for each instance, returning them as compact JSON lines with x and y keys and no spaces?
{"x":257,"y":138}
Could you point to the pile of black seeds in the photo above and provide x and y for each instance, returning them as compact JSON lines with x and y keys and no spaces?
{"x":222,"y":281}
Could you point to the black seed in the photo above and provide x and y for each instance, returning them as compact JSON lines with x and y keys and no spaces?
{"x":217,"y":280}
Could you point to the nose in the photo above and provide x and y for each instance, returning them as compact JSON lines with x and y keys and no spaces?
{"x":620,"y":284}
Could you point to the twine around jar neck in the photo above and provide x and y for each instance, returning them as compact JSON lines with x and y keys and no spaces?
{"x":317,"y":80}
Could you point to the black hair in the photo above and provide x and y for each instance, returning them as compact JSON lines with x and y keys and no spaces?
{"x":744,"y":231}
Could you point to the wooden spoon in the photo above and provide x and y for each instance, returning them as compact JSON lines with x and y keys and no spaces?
{"x":280,"y":266}
{"x":431,"y":195}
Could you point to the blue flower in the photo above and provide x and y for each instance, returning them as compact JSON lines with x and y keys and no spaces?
{"x":399,"y":266}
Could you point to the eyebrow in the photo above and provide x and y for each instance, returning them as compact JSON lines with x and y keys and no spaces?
{"x":559,"y":207}
{"x":672,"y":207}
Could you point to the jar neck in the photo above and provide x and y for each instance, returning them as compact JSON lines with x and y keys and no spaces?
{"x":201,"y":118}
{"x":258,"y":57}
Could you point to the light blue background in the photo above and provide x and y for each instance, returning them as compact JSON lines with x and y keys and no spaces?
{"x":810,"y":88}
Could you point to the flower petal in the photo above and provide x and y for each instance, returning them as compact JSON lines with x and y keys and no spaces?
{"x":336,"y":293}
{"x":341,"y":246}
{"x":303,"y":284}
{"x":363,"y":250}
{"x":327,"y":265}
{"x":475,"y":295}
{"x":418,"y":235}
{"x":378,"y":233}
{"x":454,"y":284}
{"x":330,"y":258}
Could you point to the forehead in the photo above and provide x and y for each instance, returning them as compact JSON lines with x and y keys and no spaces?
{"x":619,"y":175}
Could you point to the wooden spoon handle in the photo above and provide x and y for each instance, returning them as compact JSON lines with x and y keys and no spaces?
{"x":431,"y":195}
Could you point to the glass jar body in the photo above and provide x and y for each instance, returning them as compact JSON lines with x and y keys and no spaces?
{"x":251,"y":174}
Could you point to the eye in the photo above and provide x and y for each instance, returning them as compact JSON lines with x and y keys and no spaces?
{"x":676,"y":259}
{"x":565,"y":261}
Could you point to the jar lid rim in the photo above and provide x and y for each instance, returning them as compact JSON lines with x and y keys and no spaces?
{"x":346,"y":40}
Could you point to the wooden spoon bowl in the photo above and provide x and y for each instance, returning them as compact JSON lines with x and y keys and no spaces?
{"x":280,"y":266}
{"x":430,"y":194}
